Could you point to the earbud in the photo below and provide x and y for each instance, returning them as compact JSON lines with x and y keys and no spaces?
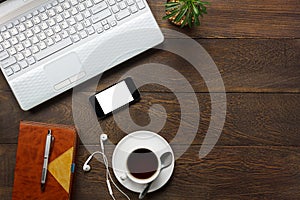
{"x":86,"y":167}
{"x":103,"y":138}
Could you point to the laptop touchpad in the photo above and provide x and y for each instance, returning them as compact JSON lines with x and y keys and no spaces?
{"x":64,"y":71}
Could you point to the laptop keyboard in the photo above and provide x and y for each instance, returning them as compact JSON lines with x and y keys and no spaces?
{"x":56,"y":26}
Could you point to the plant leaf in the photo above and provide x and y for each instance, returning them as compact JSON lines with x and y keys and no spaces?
{"x":181,"y":13}
{"x":170,"y":4}
{"x":195,"y":9}
{"x":173,"y":13}
{"x":197,"y":22}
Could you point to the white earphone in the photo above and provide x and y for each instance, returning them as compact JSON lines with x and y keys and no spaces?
{"x":86,"y":167}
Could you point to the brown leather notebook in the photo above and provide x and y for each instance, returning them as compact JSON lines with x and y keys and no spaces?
{"x":30,"y":159}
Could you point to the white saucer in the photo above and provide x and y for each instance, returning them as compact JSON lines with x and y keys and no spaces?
{"x":141,"y":139}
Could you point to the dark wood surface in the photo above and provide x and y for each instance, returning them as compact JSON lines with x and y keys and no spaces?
{"x":256,"y":46}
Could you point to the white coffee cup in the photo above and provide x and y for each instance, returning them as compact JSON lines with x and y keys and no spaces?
{"x":142,"y":165}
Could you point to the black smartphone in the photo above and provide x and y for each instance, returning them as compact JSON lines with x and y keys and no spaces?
{"x":115,"y":97}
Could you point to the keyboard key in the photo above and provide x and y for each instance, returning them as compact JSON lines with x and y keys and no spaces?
{"x":19,"y":47}
{"x":21,"y":27}
{"x":66,"y":15}
{"x":6,"y":35}
{"x":140,"y":4}
{"x":51,"y":22}
{"x":101,"y":15}
{"x":23,"y":64}
{"x":20,"y":56}
{"x":106,"y":27}
{"x":122,"y":5}
{"x":6,"y":44}
{"x":44,"y":16}
{"x":42,"y":36}
{"x":16,"y":22}
{"x":122,"y":14}
{"x":21,"y":37}
{"x":83,"y":34}
{"x":49,"y":32}
{"x":14,"y":41}
{"x":16,"y":68}
{"x":44,"y":26}
{"x":130,"y":2}
{"x":1,"y":38}
{"x":42,"y":45}
{"x":55,"y":3}
{"x":8,"y":62}
{"x":79,"y":27}
{"x":34,"y":40}
{"x":59,"y":9}
{"x":9,"y":71}
{"x":101,"y":6}
{"x":57,"y":29}
{"x":27,"y":43}
{"x":28,"y":24}
{"x":74,"y":11}
{"x":133,"y":9}
{"x":72,"y":30}
{"x":12,"y":51}
{"x":87,"y":14}
{"x":81,"y":7}
{"x":57,"y":38}
{"x":53,"y":49}
{"x":74,"y":2}
{"x":66,"y":5}
{"x":115,"y":8}
{"x":64,"y":34}
{"x":35,"y":13}
{"x":59,"y":19}
{"x":31,"y":60}
{"x":87,"y":23}
{"x":103,"y":22}
{"x":29,"y":16}
{"x":3,"y":28}
{"x":41,"y":9}
{"x":64,"y":25}
{"x":27,"y":53}
{"x":9,"y":25}
{"x":90,"y":30}
{"x":3,"y":55}
{"x":51,"y":13}
{"x":97,"y":1}
{"x":48,"y":6}
{"x":111,"y":2}
{"x":49,"y":41}
{"x":113,"y":23}
{"x":35,"y":49}
{"x":14,"y":31}
{"x":75,"y":38}
{"x":29,"y":33}
{"x":36,"y":20}
{"x":71,"y":21}
{"x":89,"y":3}
{"x":79,"y":17}
{"x":36,"y":29}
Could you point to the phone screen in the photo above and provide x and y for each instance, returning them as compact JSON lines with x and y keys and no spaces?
{"x":114,"y":97}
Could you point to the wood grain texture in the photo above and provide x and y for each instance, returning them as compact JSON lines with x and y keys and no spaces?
{"x":241,"y":19}
{"x":246,"y":65}
{"x":252,"y":119}
{"x":226,"y":173}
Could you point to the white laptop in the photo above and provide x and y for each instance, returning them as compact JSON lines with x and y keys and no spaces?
{"x":48,"y":47}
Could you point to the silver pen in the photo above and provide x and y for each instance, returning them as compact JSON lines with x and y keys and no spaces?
{"x":49,"y":139}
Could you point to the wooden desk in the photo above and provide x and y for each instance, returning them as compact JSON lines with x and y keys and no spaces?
{"x":256,"y":46}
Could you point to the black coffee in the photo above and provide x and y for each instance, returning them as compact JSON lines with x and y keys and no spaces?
{"x":142,"y":163}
